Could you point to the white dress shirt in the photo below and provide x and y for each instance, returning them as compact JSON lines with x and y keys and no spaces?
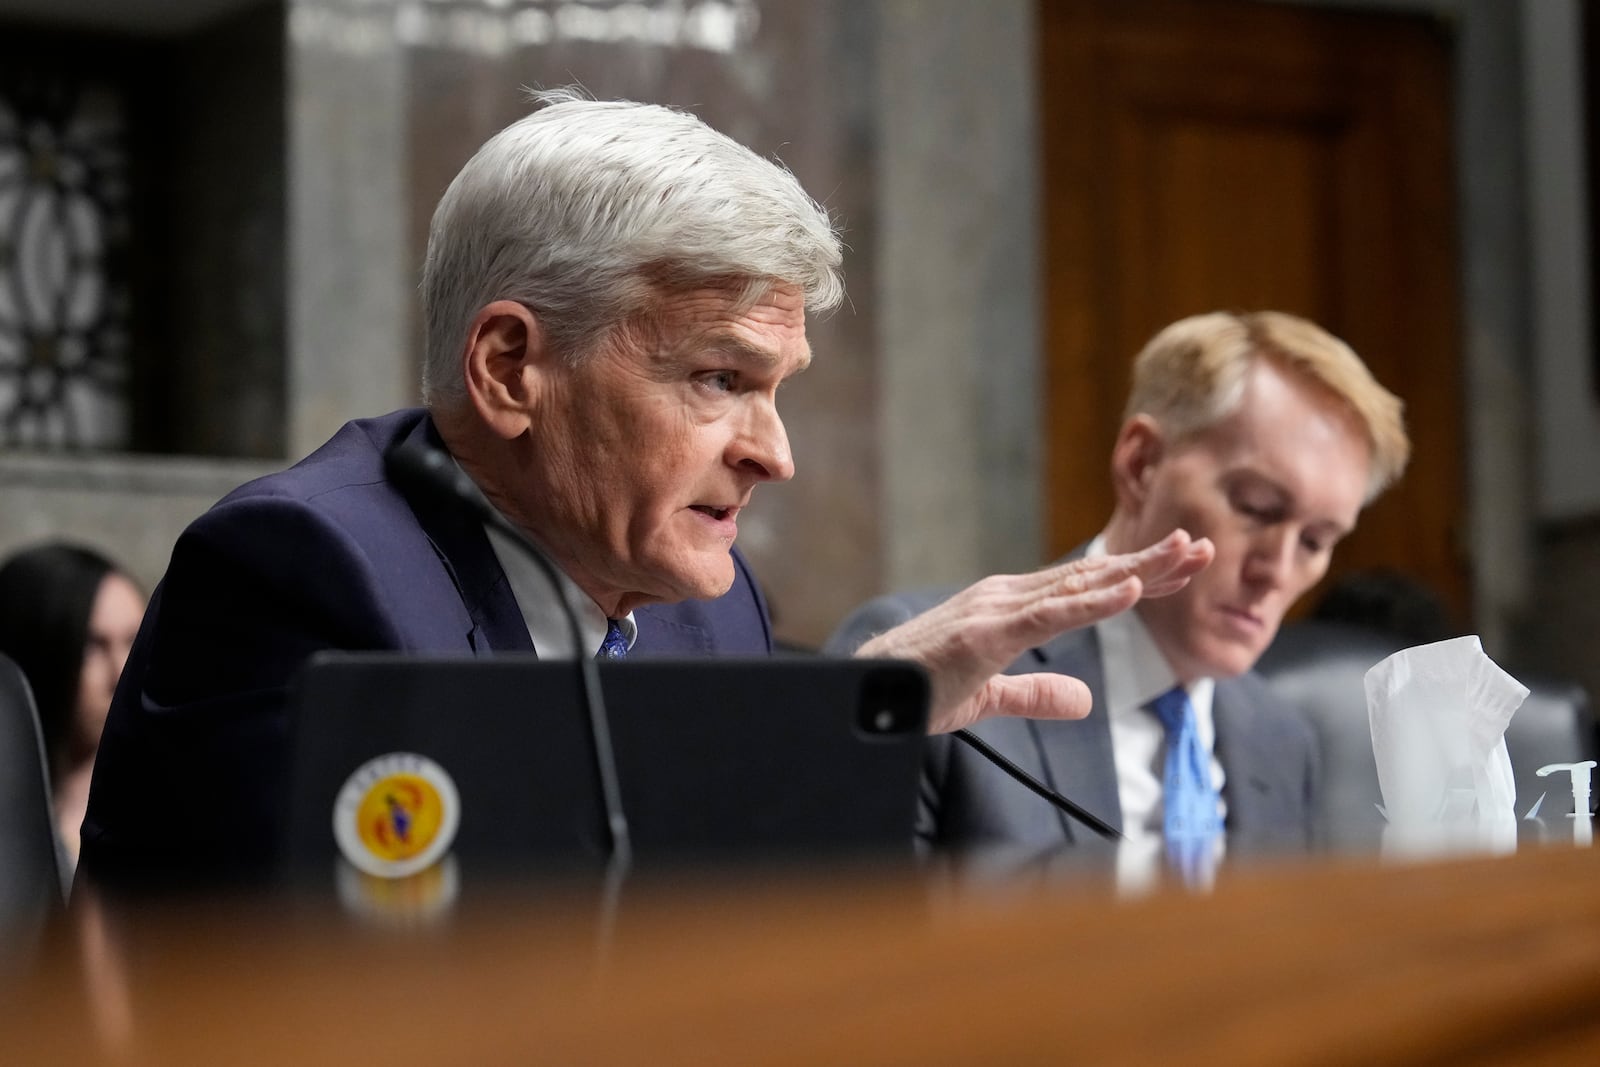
{"x":541,"y":605}
{"x":1135,"y":674}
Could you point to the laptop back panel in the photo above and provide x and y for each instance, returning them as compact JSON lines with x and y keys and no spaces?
{"x":719,"y":761}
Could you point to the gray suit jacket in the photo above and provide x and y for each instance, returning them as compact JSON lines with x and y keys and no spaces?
{"x":1266,"y":749}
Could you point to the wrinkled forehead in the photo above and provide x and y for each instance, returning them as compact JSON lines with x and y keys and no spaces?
{"x":765,"y":329}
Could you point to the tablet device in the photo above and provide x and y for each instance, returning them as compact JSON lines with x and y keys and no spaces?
{"x":400,"y":764}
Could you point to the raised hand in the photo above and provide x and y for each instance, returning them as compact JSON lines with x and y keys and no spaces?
{"x":965,"y":641}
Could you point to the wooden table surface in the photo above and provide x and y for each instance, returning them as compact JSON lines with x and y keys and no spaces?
{"x":1323,"y":961}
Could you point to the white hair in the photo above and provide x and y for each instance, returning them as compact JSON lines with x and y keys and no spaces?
{"x":584,"y":211}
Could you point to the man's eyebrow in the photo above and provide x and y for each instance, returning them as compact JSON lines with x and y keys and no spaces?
{"x":1249,"y":478}
{"x":1335,"y":527}
{"x":744,"y":352}
{"x":1286,"y":498}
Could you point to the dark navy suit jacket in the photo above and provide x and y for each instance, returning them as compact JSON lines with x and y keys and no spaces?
{"x":189,"y":782}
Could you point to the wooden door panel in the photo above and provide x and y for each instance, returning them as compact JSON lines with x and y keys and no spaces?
{"x":1193,"y":171}
{"x":1234,"y":155}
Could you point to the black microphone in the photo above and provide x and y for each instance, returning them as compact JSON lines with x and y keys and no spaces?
{"x":1083,"y":815}
{"x":424,"y":472}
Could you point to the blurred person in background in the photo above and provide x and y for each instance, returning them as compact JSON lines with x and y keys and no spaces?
{"x":1267,"y":435}
{"x":68,"y":616}
{"x":1386,"y":600}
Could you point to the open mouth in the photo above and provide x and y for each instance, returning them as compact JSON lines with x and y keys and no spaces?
{"x":716,"y":513}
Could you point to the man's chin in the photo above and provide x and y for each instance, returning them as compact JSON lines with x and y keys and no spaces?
{"x":1237,"y":661}
{"x":705,"y":583}
{"x":1224,"y":659}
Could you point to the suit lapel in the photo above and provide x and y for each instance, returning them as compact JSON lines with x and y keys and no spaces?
{"x":1077,"y":753}
{"x":1242,"y":748}
{"x":461,"y":545}
{"x":662,"y":634}
{"x":497,"y":623}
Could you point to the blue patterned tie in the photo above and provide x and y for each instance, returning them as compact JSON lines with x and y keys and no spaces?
{"x":615,"y":646}
{"x":1192,"y":821}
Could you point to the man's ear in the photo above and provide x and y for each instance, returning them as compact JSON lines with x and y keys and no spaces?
{"x":503,"y":365}
{"x":1139,"y":449}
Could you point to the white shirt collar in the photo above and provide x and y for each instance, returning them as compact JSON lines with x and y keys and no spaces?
{"x":1135,"y":670}
{"x":541,"y":606}
{"x":1135,"y":674}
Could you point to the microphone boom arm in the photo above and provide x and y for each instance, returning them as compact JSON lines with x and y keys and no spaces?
{"x":428,"y":471}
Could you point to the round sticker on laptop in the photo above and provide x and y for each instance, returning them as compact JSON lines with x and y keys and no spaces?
{"x":396,"y":815}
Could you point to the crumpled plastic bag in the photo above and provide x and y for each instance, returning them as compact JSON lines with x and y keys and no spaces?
{"x":1439,"y":714}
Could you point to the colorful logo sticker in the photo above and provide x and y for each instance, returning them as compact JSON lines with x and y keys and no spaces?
{"x":396,"y":815}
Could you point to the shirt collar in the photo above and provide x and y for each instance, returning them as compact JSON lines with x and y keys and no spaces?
{"x":1135,"y":670}
{"x":541,"y":607}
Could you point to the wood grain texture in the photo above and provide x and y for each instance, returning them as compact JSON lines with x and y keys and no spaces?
{"x":1465,"y":962}
{"x":1239,"y":156}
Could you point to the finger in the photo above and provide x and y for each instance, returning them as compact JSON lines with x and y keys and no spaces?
{"x":1087,"y":597}
{"x":1028,"y":609}
{"x":1167,"y":565}
{"x":1172,"y":555}
{"x":1198,"y":557}
{"x":1033,"y":696}
{"x":1068,"y":610}
{"x":1005,"y":594}
{"x":1090,"y":572}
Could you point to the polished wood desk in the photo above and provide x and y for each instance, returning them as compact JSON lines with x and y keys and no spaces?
{"x":1327,"y":962}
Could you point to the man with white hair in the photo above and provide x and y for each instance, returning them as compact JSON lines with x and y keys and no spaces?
{"x":613,"y":293}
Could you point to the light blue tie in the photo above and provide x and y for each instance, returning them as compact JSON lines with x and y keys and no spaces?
{"x":615,"y":646}
{"x":1192,"y":820}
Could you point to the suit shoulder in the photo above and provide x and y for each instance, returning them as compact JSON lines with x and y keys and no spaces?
{"x":352,"y":457}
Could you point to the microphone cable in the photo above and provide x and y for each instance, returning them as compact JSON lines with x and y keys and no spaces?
{"x":428,"y":472}
{"x":1083,"y":815}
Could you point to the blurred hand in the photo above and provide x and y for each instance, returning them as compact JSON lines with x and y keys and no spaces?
{"x":967,"y":640}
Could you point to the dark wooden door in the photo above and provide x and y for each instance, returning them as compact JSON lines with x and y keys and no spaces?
{"x":1224,"y":154}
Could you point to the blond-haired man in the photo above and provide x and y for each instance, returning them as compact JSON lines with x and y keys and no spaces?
{"x":1267,"y":435}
